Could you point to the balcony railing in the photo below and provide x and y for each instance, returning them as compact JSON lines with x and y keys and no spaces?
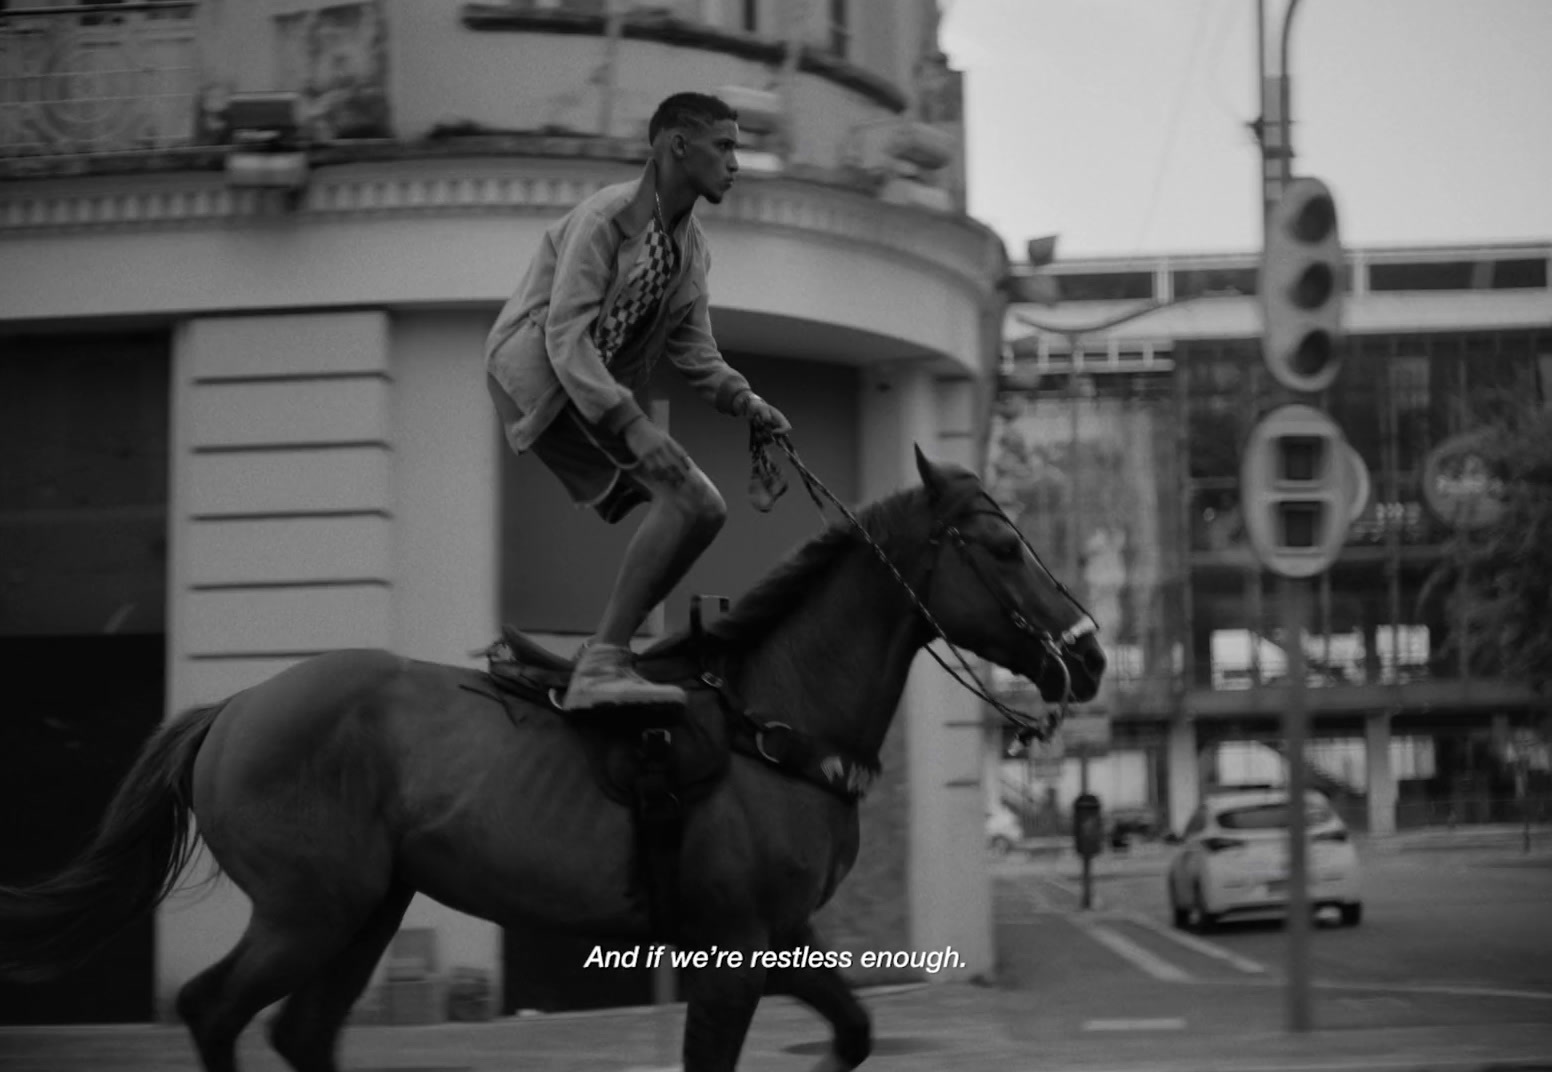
{"x":97,"y":78}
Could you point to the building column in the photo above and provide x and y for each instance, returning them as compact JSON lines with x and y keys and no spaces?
{"x":948,"y":896}
{"x":1184,"y":774}
{"x":279,"y":529}
{"x":1381,"y":783}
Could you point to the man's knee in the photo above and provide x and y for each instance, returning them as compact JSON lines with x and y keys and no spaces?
{"x":700,"y":501}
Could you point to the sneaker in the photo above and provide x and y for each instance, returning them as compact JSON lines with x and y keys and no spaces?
{"x":604,"y":677}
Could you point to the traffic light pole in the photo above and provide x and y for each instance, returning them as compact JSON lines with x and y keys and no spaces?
{"x":1293,"y":593}
{"x":1088,"y":861}
{"x":1295,"y":602}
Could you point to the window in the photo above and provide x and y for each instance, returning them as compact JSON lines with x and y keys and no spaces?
{"x":1444,"y":275}
{"x":1519,"y":274}
{"x":1271,"y":816}
{"x":1198,"y":821}
{"x":1196,"y":282}
{"x":1524,"y":273}
{"x":1105,"y":286}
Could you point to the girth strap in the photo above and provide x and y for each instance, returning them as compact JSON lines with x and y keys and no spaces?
{"x":793,"y":752}
{"x":659,"y":831}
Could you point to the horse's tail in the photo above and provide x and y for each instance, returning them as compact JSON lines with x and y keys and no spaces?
{"x":141,"y":848}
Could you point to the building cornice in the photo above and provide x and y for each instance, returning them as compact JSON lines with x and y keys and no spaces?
{"x":665,"y":29}
{"x":1155,"y":262}
{"x":962,"y":248}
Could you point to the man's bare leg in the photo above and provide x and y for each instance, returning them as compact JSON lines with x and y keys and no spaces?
{"x":678,"y":527}
{"x":680,"y":523}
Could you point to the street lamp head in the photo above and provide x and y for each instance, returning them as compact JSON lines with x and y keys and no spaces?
{"x":1041,"y":251}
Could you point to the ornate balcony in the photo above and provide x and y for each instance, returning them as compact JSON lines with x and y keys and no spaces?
{"x":97,"y":78}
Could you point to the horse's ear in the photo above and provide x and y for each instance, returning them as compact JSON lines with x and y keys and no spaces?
{"x":931,"y":479}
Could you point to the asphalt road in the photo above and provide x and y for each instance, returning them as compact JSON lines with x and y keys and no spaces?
{"x":1459,"y":935}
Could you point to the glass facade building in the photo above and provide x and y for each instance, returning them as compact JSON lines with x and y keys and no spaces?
{"x":1118,"y":450}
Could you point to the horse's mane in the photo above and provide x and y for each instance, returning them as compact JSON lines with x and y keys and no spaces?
{"x":774,"y":597}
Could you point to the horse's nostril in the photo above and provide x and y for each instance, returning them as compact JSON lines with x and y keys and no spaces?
{"x":1094,"y":661}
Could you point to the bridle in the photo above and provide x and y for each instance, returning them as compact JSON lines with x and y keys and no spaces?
{"x":945,"y":529}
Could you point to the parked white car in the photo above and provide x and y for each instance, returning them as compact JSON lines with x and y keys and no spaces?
{"x":1002,"y":831}
{"x":1233,"y":858}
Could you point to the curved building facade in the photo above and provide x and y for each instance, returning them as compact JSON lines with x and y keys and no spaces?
{"x":250,"y":386}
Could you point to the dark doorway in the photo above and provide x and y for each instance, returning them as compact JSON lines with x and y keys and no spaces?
{"x":78,"y":710}
{"x":84,"y":425}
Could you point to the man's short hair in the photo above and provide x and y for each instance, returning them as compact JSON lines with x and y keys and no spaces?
{"x":688,"y":110}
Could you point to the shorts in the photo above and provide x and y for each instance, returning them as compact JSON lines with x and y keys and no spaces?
{"x":594,"y":464}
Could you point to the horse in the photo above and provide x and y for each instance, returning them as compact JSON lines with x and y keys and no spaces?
{"x":336,"y":790}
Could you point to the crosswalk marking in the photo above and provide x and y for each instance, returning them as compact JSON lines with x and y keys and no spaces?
{"x":1198,"y":945}
{"x":1156,"y":1023}
{"x":1129,"y":950}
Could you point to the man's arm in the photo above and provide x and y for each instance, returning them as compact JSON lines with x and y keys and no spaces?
{"x":582,"y":272}
{"x":693,"y":350}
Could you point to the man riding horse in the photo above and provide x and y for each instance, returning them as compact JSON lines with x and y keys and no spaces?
{"x":619,"y":282}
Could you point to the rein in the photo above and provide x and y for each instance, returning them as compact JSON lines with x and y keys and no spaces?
{"x":1028,"y":727}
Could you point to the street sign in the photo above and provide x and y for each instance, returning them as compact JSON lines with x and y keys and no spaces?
{"x":1459,"y":486}
{"x":1301,"y":485}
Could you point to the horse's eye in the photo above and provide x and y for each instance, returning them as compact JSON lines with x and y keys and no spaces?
{"x":1007,"y":550}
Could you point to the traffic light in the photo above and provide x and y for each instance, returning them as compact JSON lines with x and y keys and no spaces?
{"x":1301,"y":288}
{"x":1301,"y":485}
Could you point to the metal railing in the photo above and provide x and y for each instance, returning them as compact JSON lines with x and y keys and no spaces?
{"x":96,"y":78}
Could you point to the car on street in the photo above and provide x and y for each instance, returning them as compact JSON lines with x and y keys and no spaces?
{"x":1126,"y":825}
{"x":1232,"y":858}
{"x":1003,"y":831}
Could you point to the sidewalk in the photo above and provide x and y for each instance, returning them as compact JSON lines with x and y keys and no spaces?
{"x":958,"y":1025}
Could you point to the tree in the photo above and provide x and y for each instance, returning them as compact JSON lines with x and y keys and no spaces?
{"x":1498,"y":579}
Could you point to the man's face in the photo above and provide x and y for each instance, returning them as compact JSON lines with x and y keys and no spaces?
{"x":710,"y":158}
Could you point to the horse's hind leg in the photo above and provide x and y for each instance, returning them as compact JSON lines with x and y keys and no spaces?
{"x":271,"y":960}
{"x":308,"y":1027}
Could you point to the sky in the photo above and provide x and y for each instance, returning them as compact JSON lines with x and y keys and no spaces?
{"x":1120,"y":125}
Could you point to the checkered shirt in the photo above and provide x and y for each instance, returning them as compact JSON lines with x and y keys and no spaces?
{"x":644,"y":289}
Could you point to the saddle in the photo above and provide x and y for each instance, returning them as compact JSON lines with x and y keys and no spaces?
{"x":655,"y":760}
{"x":689,"y":743}
{"x":659,"y":761}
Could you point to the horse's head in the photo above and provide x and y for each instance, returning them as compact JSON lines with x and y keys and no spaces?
{"x":991,"y":593}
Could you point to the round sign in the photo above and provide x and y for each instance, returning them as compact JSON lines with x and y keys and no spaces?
{"x":1459,"y":485}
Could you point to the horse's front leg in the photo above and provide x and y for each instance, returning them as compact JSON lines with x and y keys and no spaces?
{"x":831,"y":996}
{"x":719,"y":1006}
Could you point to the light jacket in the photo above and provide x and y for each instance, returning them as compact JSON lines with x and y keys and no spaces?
{"x":541,"y":349}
